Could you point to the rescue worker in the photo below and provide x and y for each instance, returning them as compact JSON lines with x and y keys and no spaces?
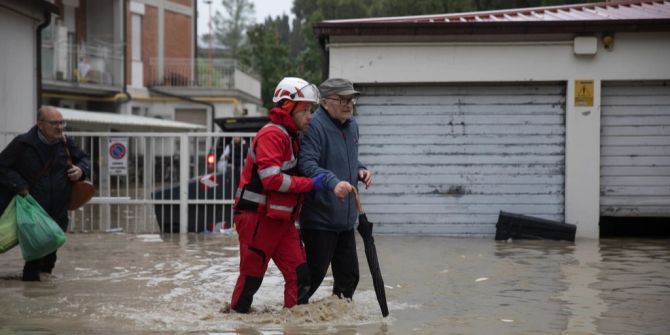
{"x":269,"y":197}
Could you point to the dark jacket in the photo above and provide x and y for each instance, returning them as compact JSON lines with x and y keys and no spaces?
{"x":22,"y":166}
{"x":331,"y":147}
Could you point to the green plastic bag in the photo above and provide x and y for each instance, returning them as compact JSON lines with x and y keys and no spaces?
{"x":8,"y":238}
{"x":39,"y":234}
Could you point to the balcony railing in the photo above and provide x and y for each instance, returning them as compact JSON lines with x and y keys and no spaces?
{"x":188,"y":72}
{"x":98,"y":64}
{"x":201,"y":74}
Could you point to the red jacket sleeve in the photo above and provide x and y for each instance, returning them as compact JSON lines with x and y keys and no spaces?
{"x":272,"y":148}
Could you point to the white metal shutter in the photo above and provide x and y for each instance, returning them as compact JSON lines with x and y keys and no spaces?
{"x":448,"y":159}
{"x":635,"y":149}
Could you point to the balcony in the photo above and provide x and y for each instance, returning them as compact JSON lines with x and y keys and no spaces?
{"x":90,"y":68}
{"x":202,"y":76}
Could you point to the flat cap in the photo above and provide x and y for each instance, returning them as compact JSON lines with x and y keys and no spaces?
{"x":337,"y":86}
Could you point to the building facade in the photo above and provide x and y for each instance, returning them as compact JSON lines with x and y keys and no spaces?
{"x":555,"y":112}
{"x":138,"y":57}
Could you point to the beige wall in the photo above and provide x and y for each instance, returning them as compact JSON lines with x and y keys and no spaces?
{"x":634,"y":56}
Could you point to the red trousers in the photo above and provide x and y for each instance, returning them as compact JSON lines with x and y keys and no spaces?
{"x":262,"y":239}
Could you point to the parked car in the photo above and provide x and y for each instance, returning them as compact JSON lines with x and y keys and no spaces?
{"x":201,"y":217}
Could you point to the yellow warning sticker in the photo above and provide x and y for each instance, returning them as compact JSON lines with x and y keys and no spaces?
{"x":583,"y":93}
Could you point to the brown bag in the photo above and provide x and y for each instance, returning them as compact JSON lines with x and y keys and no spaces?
{"x":82,"y":190}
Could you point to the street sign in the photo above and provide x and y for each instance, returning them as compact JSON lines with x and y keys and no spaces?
{"x":117,"y":160}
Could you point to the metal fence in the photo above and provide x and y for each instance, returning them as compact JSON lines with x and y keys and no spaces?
{"x":159,"y":182}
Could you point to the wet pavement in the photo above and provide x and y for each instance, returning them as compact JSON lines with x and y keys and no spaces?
{"x":161,"y":284}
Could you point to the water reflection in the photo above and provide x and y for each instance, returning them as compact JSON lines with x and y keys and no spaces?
{"x":634,"y":283}
{"x":581,"y":297}
{"x":147,"y":284}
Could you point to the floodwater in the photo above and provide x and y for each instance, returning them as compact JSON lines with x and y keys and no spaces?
{"x":161,"y":284}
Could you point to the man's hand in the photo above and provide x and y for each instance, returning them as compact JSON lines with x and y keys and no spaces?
{"x":365,"y":176}
{"x":342,"y":189}
{"x":74,"y":173}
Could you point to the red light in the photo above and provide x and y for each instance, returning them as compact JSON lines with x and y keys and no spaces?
{"x":210,"y":159}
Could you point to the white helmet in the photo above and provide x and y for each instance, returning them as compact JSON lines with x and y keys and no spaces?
{"x":296,"y":89}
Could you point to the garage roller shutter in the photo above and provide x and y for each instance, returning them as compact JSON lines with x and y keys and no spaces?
{"x":635,"y":149}
{"x":447,"y":159}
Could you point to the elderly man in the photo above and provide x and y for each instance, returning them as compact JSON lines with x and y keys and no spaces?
{"x":35,"y":163}
{"x":330,"y":146}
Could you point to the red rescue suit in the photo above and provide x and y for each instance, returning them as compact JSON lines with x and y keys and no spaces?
{"x":267,"y":203}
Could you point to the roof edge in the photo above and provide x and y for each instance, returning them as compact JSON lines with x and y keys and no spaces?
{"x":323,"y":29}
{"x":498,"y":12}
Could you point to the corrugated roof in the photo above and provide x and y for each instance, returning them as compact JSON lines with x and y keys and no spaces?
{"x":622,"y":10}
{"x":127,"y":122}
{"x":629,"y":16}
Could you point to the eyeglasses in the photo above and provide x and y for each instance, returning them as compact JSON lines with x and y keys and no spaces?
{"x":55,"y":123}
{"x":344,"y":101}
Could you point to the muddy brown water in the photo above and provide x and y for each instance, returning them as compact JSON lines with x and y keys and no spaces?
{"x":161,"y":284}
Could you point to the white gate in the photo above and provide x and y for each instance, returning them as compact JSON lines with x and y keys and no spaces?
{"x":158,"y":182}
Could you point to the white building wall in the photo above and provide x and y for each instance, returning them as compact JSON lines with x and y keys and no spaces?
{"x":253,"y":109}
{"x":246,"y":83}
{"x":634,"y":56}
{"x":166,"y":109}
{"x":18,"y":103}
{"x":225,"y":109}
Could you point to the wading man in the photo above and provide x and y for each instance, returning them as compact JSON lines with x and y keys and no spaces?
{"x":268,"y":200}
{"x":330,"y":147}
{"x":35,"y":163}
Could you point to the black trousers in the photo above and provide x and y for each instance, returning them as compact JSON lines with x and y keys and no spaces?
{"x":32,"y":269}
{"x":337,"y":249}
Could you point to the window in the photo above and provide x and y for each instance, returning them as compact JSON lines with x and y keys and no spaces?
{"x":136,"y":37}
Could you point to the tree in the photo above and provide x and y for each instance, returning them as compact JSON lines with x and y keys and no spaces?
{"x":308,"y":13}
{"x":276,"y":50}
{"x":268,"y":55}
{"x":229,"y":29}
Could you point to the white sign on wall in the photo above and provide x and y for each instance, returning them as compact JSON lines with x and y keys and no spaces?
{"x":117,"y":160}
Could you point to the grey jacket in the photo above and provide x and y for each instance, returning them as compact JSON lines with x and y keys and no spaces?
{"x":330,"y":147}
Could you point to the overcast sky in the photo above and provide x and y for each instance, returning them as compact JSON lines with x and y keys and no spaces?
{"x":264,"y":8}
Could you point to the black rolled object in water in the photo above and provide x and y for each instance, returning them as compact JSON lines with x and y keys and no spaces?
{"x":517,"y":226}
